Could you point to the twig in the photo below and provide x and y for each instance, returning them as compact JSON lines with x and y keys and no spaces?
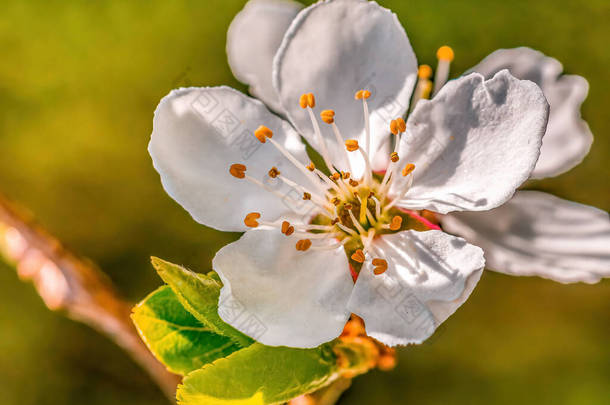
{"x":74,"y":285}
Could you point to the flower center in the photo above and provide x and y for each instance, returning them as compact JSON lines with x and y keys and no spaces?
{"x":348,"y":212}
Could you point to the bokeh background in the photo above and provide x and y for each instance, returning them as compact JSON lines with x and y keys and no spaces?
{"x":79,"y":81}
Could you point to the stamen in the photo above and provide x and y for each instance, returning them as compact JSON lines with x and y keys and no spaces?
{"x":345,"y":228}
{"x":398,"y":126}
{"x":251,"y":219}
{"x":318,"y":235}
{"x":238,"y":170}
{"x":314,"y":197}
{"x":314,"y":227}
{"x":287,"y":229}
{"x":303,"y":244}
{"x":394,"y":157}
{"x":367,"y":239}
{"x":358,"y":256}
{"x":339,"y":139}
{"x":328,"y":116}
{"x":445,"y":55}
{"x":377,"y":207}
{"x":363,"y":95}
{"x":424,"y":85}
{"x":404,"y":191}
{"x":279,"y":195}
{"x":262,"y":132}
{"x":353,"y":183}
{"x":370,"y":217}
{"x":359,"y":227}
{"x":297,"y":164}
{"x":307,"y":100}
{"x":381,"y":265}
{"x":396,"y":223}
{"x":408,"y":169}
{"x":351,"y":145}
{"x":328,"y":181}
{"x":330,"y":247}
{"x":311,"y":167}
{"x":274,"y":172}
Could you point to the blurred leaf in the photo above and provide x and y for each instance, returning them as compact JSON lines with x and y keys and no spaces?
{"x":174,"y":336}
{"x":259,"y":375}
{"x":199,"y":294}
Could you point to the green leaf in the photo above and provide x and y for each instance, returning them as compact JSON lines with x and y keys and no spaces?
{"x":174,"y":336}
{"x":199,"y":294}
{"x":259,"y":375}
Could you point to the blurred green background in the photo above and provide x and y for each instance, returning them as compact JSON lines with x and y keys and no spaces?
{"x":79,"y":81}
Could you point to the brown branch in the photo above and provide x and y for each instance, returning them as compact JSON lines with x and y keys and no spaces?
{"x":76,"y":286}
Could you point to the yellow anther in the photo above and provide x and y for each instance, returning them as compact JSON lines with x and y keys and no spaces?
{"x":398,"y":126}
{"x":445,"y":53}
{"x":396,"y":223}
{"x":335,"y":201}
{"x":408,"y":169}
{"x":328,"y":116}
{"x":334,"y":221}
{"x":360,"y":94}
{"x":424,"y":72}
{"x":402,"y":125}
{"x":358,"y":256}
{"x":311,"y":167}
{"x":262,"y":133}
{"x":394,"y":127}
{"x":345,"y":175}
{"x":287,"y":229}
{"x":351,"y":145}
{"x":285,"y":226}
{"x":335,"y":176}
{"x":306,"y":196}
{"x":303,"y":244}
{"x":238,"y":170}
{"x":251,"y":219}
{"x":380,"y":266}
{"x":274,"y":172}
{"x":394,"y":157}
{"x":353,"y":183}
{"x":307,"y":100}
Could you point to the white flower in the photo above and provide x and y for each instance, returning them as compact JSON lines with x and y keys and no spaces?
{"x":536,"y":233}
{"x":234,"y":165}
{"x":528,"y":235}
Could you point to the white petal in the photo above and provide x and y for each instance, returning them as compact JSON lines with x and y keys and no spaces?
{"x":430,"y":274}
{"x":568,"y":138}
{"x":473,"y":144}
{"x":537,"y":234}
{"x":253,"y":38}
{"x":280,"y":296}
{"x":198,"y":133}
{"x":335,"y":48}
